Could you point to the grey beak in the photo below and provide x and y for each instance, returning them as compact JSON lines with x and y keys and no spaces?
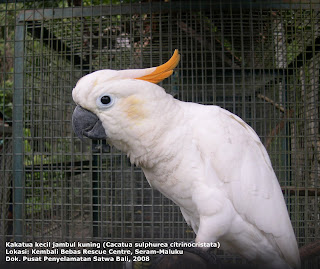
{"x":85,"y":123}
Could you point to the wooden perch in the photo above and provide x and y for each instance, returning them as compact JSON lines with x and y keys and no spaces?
{"x":209,"y":25}
{"x":276,"y":130}
{"x":184,"y":27}
{"x":309,"y":251}
{"x":278,"y":106}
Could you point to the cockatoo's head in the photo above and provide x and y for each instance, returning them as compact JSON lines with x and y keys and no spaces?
{"x":117,"y":105}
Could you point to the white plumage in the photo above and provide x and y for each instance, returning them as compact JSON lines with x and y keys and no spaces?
{"x":204,"y":158}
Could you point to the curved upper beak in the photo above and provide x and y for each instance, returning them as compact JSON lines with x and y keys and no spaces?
{"x":85,"y":123}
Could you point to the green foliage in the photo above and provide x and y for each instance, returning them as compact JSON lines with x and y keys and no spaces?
{"x":38,"y":190}
{"x":7,"y":22}
{"x":6,"y":99}
{"x":73,"y":3}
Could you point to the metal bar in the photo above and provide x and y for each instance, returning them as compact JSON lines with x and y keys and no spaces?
{"x":300,"y":191}
{"x":18,"y":143}
{"x":72,"y":12}
{"x":96,"y":159}
{"x":224,"y":60}
{"x":95,"y":192}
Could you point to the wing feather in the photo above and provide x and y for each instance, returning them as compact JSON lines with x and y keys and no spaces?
{"x":251,"y":183}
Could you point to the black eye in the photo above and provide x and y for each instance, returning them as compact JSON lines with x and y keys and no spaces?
{"x":106,"y":99}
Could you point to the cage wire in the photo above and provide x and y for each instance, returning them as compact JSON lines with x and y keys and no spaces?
{"x":259,"y":60}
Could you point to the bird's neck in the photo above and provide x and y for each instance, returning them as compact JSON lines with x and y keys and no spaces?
{"x":151,"y":143}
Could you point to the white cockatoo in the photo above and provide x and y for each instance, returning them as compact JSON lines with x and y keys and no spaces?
{"x":204,"y":158}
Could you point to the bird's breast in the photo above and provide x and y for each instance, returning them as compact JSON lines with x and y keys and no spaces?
{"x":175,"y":180}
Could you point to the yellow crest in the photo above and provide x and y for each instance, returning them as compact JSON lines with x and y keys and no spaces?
{"x":163,"y":71}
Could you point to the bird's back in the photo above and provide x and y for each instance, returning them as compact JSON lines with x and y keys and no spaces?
{"x":242,"y":164}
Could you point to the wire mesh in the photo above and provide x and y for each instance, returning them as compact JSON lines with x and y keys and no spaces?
{"x":258,"y":60}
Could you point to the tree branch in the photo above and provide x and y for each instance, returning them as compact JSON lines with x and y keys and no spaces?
{"x":278,"y":106}
{"x":276,"y":130}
